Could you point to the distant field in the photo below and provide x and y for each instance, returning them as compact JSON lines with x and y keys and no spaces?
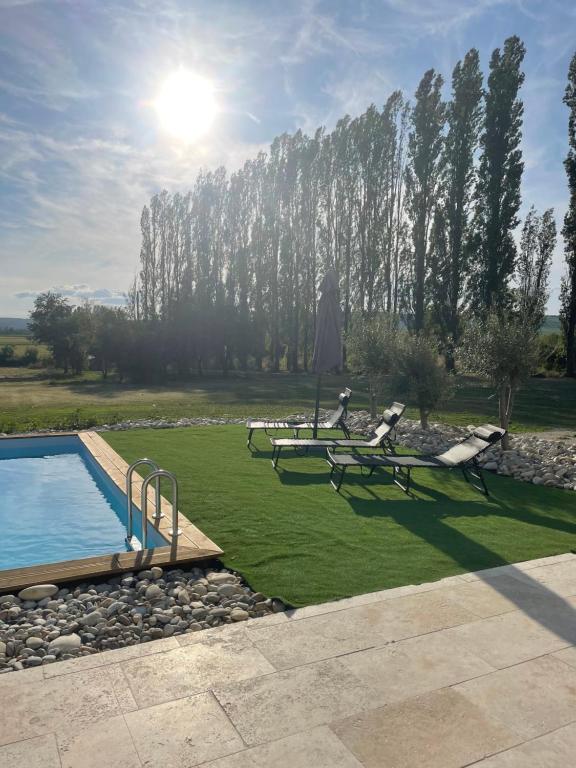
{"x":40,"y":400}
{"x":20,"y":343}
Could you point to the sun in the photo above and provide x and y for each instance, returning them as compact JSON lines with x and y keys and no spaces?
{"x":186,"y":105}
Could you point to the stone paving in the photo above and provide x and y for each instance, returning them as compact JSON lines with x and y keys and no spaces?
{"x":478,"y":669}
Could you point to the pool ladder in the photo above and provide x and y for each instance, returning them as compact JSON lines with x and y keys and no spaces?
{"x":155,"y":476}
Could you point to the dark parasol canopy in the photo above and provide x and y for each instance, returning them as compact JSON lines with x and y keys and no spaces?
{"x":328,"y":341}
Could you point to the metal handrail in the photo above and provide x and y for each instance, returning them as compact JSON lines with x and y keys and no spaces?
{"x":156,"y":475}
{"x":129,"y":474}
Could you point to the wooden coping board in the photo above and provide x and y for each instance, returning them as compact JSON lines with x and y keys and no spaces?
{"x":191,"y":545}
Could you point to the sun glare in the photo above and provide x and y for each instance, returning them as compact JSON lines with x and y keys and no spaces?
{"x":186,"y":105}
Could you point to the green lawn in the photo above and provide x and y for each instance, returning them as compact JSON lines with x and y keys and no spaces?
{"x":40,"y":400}
{"x":292,"y":536}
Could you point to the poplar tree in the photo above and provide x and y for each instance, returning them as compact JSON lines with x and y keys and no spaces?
{"x":423,"y":178}
{"x":534,"y":259}
{"x":452,"y":256}
{"x":500,"y":173}
{"x":568,"y":289}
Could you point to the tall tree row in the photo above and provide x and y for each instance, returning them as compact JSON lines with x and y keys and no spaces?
{"x":413,"y":204}
{"x":568,"y":289}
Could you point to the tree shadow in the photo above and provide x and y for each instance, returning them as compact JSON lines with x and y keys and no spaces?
{"x":428,"y":521}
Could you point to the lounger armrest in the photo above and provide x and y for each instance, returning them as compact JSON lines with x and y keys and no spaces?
{"x":489,"y":433}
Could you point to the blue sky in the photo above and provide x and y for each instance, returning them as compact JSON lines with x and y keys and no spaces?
{"x":81,"y":150}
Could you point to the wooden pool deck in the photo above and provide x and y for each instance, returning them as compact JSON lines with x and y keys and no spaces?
{"x":192,"y":545}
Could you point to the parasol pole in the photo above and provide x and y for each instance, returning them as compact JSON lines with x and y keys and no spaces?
{"x":317,"y":408}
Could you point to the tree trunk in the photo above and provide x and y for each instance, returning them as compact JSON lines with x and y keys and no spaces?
{"x":449,"y":361}
{"x":505,"y":401}
{"x":571,"y":347}
{"x":424,"y":418}
{"x":373,"y":402}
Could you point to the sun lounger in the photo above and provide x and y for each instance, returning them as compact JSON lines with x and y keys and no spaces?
{"x":336,"y":420}
{"x":462,"y":456}
{"x":382,"y":437}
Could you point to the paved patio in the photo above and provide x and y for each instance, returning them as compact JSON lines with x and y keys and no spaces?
{"x":478,"y":669}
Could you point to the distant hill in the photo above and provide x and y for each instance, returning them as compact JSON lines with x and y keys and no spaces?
{"x":13,"y":324}
{"x":551,"y":324}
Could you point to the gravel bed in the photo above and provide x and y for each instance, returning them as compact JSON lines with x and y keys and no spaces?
{"x":47,"y":623}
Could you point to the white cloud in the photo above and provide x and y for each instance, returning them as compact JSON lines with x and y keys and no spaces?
{"x":79,"y":294}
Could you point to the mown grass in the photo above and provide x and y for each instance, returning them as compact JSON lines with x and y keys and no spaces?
{"x":41,"y":400}
{"x":292,"y":536}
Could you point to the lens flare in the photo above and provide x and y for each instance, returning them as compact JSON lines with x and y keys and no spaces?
{"x":186,"y":105}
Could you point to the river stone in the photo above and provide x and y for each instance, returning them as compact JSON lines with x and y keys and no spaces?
{"x":144,"y":575}
{"x":65,"y":643}
{"x":39,"y":592}
{"x":156,"y":572}
{"x":91,"y":619}
{"x":221,"y":578}
{"x":183,"y":598}
{"x":34,"y":643}
{"x":229,"y":590}
{"x":237,"y":614}
{"x":154,"y":592}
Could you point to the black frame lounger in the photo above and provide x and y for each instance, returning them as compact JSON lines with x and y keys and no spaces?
{"x":382,"y":437}
{"x":336,"y":420}
{"x":462,"y":456}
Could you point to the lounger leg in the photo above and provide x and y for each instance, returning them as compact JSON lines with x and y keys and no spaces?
{"x":397,"y":471}
{"x":276,"y":455}
{"x":249,"y":441}
{"x":341,"y":472}
{"x":476,"y":474}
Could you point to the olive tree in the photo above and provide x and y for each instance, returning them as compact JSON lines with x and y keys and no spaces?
{"x":407,"y":365}
{"x":504,"y":348}
{"x":420,"y":376}
{"x":370,"y":352}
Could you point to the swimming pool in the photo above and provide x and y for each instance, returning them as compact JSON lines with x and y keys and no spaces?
{"x":57,"y":504}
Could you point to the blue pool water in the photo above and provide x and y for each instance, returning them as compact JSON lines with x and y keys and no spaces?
{"x":57,"y":503}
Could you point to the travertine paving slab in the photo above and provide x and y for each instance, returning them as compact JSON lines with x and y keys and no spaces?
{"x":371,"y":597}
{"x":124,"y":695}
{"x":40,"y":752}
{"x":415,"y":666}
{"x":508,"y":639}
{"x":99,"y":744}
{"x":194,"y":668}
{"x":273,"y":706}
{"x":438,"y":730}
{"x":61,"y":705}
{"x":183,"y":733}
{"x":554,"y":750}
{"x":375,"y":624}
{"x":24,"y":676}
{"x":318,"y":748}
{"x":518,"y":569}
{"x":564,"y":570}
{"x":498,"y":595}
{"x":568,"y":655}
{"x":110,"y":657}
{"x":530,"y":698}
